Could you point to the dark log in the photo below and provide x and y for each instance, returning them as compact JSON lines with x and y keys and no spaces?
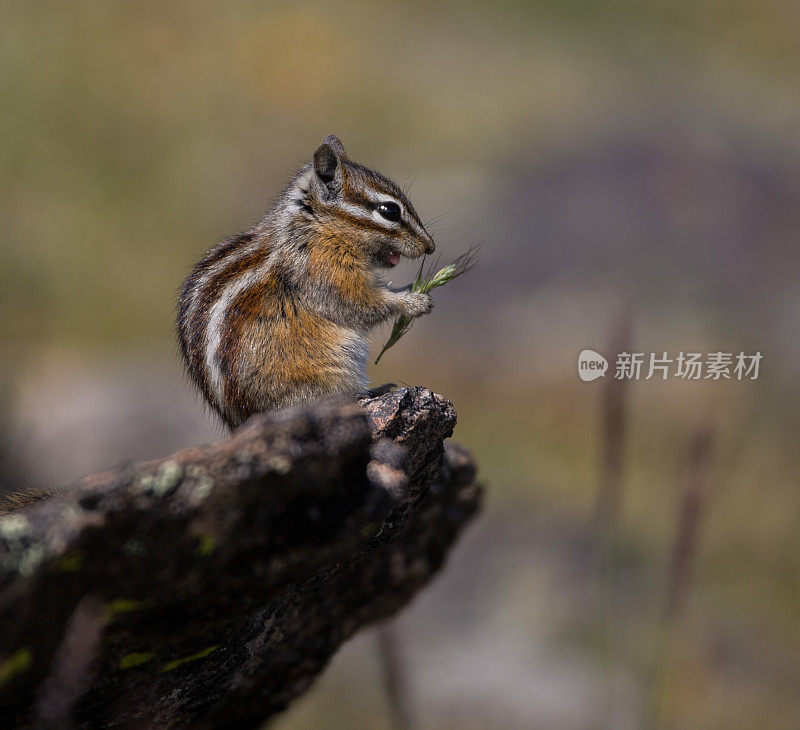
{"x":210,"y":588}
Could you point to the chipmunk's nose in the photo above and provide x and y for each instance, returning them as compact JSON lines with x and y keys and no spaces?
{"x":430,"y":246}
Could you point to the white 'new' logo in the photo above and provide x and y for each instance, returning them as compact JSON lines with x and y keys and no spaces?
{"x":591,"y":365}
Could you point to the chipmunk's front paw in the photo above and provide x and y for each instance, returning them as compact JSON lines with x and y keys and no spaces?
{"x":419,"y":304}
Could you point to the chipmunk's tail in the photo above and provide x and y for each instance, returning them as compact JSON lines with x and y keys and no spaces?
{"x":19,"y":500}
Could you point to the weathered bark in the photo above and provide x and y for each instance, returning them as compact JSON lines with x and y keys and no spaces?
{"x":210,"y":588}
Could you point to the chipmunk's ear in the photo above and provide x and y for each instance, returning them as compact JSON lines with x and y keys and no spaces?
{"x":328,"y":160}
{"x":336,"y":145}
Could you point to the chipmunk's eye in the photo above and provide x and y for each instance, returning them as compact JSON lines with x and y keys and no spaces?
{"x":390,"y":211}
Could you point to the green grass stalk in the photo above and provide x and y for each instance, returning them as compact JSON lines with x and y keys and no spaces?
{"x":424,"y":283}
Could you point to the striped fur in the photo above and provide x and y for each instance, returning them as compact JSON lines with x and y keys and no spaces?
{"x":280,"y":314}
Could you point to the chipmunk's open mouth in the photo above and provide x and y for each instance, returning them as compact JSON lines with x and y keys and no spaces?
{"x":390,"y":257}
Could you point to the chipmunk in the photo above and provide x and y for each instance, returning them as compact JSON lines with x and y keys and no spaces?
{"x":279,"y":315}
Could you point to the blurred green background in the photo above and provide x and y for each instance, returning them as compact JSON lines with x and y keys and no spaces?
{"x":617,"y":161}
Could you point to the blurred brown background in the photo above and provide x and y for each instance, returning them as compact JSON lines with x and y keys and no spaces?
{"x":618,"y":161}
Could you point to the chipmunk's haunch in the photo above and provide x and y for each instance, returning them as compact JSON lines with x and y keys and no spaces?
{"x":280,"y":314}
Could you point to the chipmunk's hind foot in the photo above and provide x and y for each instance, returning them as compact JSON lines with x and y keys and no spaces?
{"x":379,"y":390}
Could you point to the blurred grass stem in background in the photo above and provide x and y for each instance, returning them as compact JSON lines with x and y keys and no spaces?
{"x":690,"y":520}
{"x":612,"y":436}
